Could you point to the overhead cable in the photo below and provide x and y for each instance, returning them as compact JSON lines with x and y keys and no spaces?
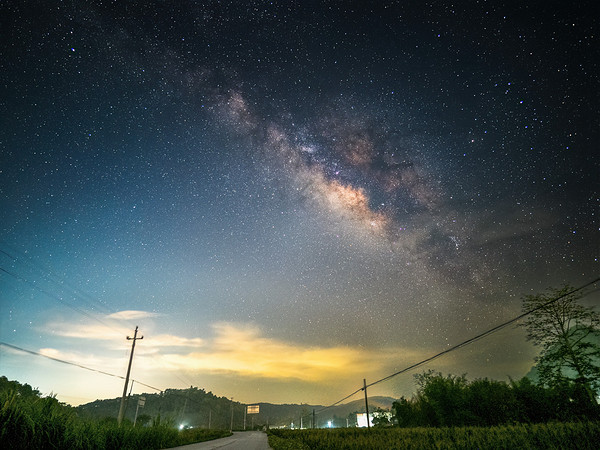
{"x":465,"y":342}
{"x":31,"y":352}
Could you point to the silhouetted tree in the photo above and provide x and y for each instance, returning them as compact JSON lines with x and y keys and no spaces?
{"x":441,"y":399}
{"x":489,"y":402}
{"x":405,"y":413}
{"x":564,"y":330}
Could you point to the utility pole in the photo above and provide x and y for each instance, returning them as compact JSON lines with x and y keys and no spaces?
{"x":128,"y":397}
{"x":231,"y":423}
{"x":367,"y":403}
{"x":122,"y":408}
{"x":314,"y":423}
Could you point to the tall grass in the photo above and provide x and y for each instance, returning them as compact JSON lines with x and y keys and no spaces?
{"x":32,"y":422}
{"x":575,"y":435}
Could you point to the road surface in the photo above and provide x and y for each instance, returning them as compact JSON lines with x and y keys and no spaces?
{"x":241,"y":440}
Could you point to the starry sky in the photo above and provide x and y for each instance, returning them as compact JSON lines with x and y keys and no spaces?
{"x":289,"y":196}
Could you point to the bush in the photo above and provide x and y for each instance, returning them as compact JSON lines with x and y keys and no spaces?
{"x":579,"y":435}
{"x":28,"y":421}
{"x":453,"y":401}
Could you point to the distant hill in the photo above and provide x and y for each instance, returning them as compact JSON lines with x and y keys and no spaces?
{"x":286,"y":415}
{"x":198,"y":408}
{"x":190,"y":407}
{"x":359,"y":406}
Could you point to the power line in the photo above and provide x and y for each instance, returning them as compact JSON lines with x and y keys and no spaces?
{"x":340,"y":401}
{"x":464,"y":343}
{"x":47,"y":275}
{"x":31,"y":352}
{"x":59,"y":299}
{"x":43,"y":291}
{"x":484,"y":334}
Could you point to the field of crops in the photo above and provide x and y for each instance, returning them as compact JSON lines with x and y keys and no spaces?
{"x":580,"y":435}
{"x":33,"y":422}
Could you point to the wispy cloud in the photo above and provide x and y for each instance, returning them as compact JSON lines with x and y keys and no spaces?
{"x":87,"y":359}
{"x":245,"y":351}
{"x":169,"y":340}
{"x":111,"y":329}
{"x":237,"y":349}
{"x":131,"y":315}
{"x":87,"y":331}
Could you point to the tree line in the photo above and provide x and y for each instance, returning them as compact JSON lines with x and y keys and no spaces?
{"x":568,"y":368}
{"x":452,"y":400}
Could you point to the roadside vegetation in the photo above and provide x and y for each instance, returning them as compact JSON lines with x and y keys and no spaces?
{"x":30,"y":421}
{"x":582,"y":435}
{"x":557,"y":409}
{"x":452,"y":413}
{"x":446,"y":401}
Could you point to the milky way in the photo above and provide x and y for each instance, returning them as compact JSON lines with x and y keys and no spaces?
{"x":287,"y":198}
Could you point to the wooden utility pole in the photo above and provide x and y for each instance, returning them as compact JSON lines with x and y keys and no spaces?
{"x":122,"y":408}
{"x":367,"y":403}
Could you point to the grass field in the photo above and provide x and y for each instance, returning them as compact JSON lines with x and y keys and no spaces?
{"x":33,"y":422}
{"x":580,"y":435}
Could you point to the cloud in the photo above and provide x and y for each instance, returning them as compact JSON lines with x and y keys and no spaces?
{"x":75,"y":357}
{"x":169,"y":340}
{"x":102,"y":332}
{"x":109,"y":329}
{"x":131,"y":315}
{"x":244,"y":355}
{"x":245,"y":351}
{"x":106,"y":333}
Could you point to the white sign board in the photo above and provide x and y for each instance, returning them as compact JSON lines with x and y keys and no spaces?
{"x":361,"y":420}
{"x":253,"y":409}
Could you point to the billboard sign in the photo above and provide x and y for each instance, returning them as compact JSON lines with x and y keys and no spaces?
{"x":361,"y":420}
{"x":252,"y":409}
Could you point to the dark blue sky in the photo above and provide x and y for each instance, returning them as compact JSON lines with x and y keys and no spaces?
{"x":360,"y":185}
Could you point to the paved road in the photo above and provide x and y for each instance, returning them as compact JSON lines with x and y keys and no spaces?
{"x":241,"y":440}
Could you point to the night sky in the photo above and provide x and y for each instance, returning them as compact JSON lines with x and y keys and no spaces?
{"x":290,"y":196}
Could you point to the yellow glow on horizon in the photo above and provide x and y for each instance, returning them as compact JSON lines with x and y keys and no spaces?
{"x":243,"y":350}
